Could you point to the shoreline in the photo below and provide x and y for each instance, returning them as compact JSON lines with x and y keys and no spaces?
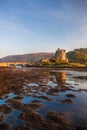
{"x":9,"y":77}
{"x":27,"y":87}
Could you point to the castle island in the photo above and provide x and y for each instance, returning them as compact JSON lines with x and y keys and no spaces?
{"x":59,"y":57}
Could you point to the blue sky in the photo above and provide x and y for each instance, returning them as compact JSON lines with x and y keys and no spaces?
{"x":28,"y":26}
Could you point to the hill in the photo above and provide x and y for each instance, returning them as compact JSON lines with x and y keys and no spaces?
{"x":31,"y":57}
{"x":75,"y":56}
{"x":78,"y":55}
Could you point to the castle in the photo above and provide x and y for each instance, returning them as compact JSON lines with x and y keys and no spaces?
{"x":60,"y":54}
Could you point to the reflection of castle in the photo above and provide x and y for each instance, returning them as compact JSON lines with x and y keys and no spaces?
{"x":60,"y":54}
{"x":61,"y":77}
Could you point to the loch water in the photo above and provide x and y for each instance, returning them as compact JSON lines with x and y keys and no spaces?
{"x":58,"y":90}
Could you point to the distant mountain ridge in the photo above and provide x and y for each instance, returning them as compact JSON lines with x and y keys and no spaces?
{"x":31,"y":57}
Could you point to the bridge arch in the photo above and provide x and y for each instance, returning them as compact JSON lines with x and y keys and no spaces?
{"x":11,"y":65}
{"x":26,"y":65}
{"x":19,"y":65}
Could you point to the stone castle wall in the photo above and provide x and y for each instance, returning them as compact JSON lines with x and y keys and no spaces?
{"x":60,"y":54}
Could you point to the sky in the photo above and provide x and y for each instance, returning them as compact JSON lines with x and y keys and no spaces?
{"x":30,"y":26}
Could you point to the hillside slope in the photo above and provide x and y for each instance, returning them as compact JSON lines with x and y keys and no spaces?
{"x":78,"y":55}
{"x":32,"y":57}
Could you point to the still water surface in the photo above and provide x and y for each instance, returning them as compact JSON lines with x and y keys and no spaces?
{"x":73,"y":82}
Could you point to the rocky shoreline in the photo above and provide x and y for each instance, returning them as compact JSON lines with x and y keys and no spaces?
{"x":17,"y":85}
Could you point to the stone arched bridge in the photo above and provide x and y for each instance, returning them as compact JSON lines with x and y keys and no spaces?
{"x":14,"y":64}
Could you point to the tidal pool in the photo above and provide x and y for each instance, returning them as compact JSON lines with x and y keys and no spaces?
{"x":62,"y":91}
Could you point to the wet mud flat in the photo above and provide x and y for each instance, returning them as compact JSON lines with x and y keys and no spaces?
{"x":42,"y":99}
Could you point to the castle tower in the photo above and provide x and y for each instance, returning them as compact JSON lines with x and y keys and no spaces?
{"x":60,"y":54}
{"x":63,"y":54}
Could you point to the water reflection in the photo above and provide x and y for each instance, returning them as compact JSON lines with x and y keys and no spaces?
{"x":60,"y":77}
{"x":45,"y":86}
